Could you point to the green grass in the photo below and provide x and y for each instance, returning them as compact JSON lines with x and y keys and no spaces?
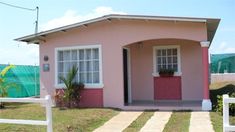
{"x":72,"y":120}
{"x":178,"y":122}
{"x":217,"y":121}
{"x":136,"y":125}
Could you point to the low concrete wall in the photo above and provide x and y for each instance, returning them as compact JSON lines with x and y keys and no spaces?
{"x":225,"y":77}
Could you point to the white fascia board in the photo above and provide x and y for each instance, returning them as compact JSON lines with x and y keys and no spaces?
{"x":159,"y":18}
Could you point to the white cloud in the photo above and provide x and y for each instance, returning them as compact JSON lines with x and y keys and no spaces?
{"x":223,"y":47}
{"x":230,"y":50}
{"x":71,"y":16}
{"x":22,"y":54}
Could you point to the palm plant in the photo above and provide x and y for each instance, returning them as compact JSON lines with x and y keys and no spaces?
{"x":72,"y":88}
{"x":4,"y":84}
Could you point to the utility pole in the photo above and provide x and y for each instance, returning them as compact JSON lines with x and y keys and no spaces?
{"x":36,"y":22}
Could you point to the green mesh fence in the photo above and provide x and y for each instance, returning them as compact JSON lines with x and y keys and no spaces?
{"x":25,"y":79}
{"x":222,"y":63}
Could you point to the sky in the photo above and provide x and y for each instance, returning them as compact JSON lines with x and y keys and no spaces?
{"x":16,"y":22}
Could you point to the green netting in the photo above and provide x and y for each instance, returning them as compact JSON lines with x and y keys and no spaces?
{"x":222,"y":63}
{"x":26,"y":79}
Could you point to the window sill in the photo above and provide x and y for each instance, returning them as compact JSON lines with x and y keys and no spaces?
{"x":175,"y":74}
{"x":87,"y":86}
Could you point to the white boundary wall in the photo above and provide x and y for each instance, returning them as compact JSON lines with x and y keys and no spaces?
{"x":225,"y":77}
{"x":226,"y":126}
{"x":45,"y":101}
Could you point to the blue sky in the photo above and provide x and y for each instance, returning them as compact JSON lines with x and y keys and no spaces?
{"x":53,"y":13}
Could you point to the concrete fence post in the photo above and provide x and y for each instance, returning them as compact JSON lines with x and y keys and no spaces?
{"x":225,"y":112}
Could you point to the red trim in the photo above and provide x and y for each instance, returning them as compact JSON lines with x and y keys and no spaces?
{"x":90,"y":98}
{"x":205,"y":63}
{"x":167,"y":88}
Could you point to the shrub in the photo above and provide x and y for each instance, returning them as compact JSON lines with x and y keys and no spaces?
{"x":76,"y":94}
{"x":166,"y":72}
{"x":69,"y":97}
{"x":59,"y":98}
{"x":219,"y":107}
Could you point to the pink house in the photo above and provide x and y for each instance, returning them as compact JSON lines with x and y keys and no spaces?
{"x":119,"y":58}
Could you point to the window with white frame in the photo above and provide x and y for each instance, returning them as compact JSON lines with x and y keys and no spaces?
{"x":86,"y":58}
{"x":167,"y":57}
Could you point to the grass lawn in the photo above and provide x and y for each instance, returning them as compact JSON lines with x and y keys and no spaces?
{"x":217,"y":121}
{"x":136,"y":125}
{"x":72,"y":120}
{"x":178,"y":122}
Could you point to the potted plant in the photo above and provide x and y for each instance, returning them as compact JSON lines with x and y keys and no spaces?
{"x":166,"y":72}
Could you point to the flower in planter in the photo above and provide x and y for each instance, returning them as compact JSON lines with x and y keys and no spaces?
{"x":166,"y":72}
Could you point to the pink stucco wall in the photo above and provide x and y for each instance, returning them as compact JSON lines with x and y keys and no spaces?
{"x":192,"y":73}
{"x":112,"y":36}
{"x":142,"y":68}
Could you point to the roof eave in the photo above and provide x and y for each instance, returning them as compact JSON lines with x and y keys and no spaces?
{"x":43,"y":33}
{"x":31,"y":38}
{"x":212,"y":26}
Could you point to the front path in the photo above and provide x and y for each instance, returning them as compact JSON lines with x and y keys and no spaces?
{"x":157,"y":122}
{"x":119,"y":122}
{"x":200,"y":122}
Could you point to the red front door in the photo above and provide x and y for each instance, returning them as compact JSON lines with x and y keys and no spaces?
{"x":167,"y":88}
